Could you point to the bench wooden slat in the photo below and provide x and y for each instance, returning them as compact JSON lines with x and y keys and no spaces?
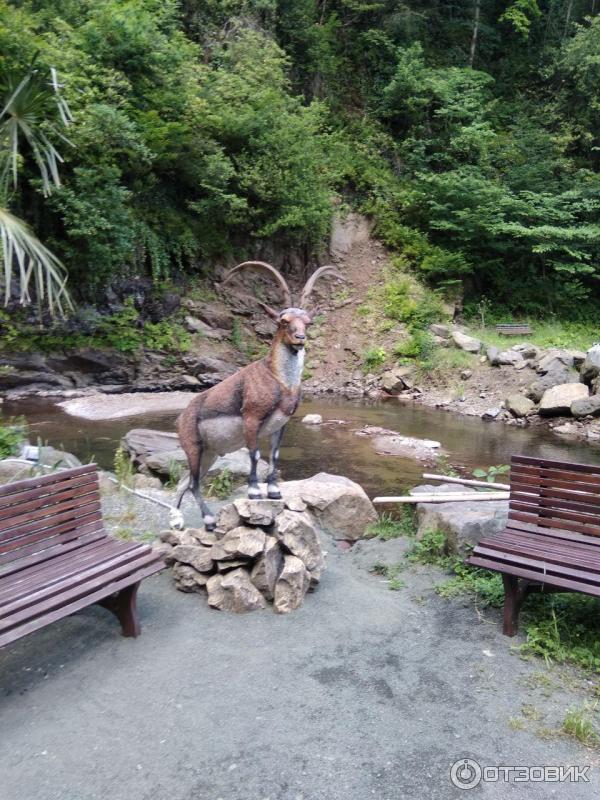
{"x":59,"y":568}
{"x":35,"y":542}
{"x":552,"y":535}
{"x":29,"y":484}
{"x":113,"y":564}
{"x":56,"y":558}
{"x":47,"y":514}
{"x":46,"y":618}
{"x":87,"y":535}
{"x":48,"y":502}
{"x":25,"y":495}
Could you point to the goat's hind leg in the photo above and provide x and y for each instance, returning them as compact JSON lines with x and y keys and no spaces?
{"x":199,"y":461}
{"x":273,"y":492}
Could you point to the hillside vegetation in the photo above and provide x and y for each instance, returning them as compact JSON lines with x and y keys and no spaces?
{"x":172,"y":136}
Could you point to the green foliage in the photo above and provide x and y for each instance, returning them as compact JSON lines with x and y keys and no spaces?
{"x":491,"y":473}
{"x":221,"y":485}
{"x":12,"y":433}
{"x":123,"y":465}
{"x":390,"y":527}
{"x":431,"y":548}
{"x":373,"y":358}
{"x":579,"y":723}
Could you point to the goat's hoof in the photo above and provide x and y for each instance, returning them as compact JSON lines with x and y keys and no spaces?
{"x":255,"y":494}
{"x":274,"y":495}
{"x":210,"y":524}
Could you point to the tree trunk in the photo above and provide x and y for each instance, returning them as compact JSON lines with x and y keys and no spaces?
{"x":475,"y":33}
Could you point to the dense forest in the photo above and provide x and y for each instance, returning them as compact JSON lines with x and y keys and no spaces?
{"x":158,"y":138}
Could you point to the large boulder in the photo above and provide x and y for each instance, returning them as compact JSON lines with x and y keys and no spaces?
{"x":590,"y":369}
{"x":558,"y":399}
{"x":159,"y":452}
{"x":467,"y":343}
{"x":509,"y":358}
{"x":154,"y":451}
{"x":341,"y":506}
{"x":464,"y":523}
{"x":492,"y":354}
{"x":258,"y":512}
{"x":196,"y":556}
{"x":397,"y":380}
{"x":586,"y":407}
{"x":554,"y":359}
{"x":518,"y":405}
{"x":558,"y":377}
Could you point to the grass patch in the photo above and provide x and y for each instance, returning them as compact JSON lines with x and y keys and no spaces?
{"x":391,"y":572}
{"x":578,"y":723}
{"x":574,"y":335}
{"x":390,"y":527}
{"x":373,"y":358}
{"x":221,"y":485}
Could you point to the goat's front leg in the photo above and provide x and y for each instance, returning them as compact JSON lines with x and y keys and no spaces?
{"x":273,"y":492}
{"x":251,"y":428}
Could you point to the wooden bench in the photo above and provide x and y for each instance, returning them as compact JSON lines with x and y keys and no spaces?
{"x":513,"y":330}
{"x":56,"y":558}
{"x":552,"y":541}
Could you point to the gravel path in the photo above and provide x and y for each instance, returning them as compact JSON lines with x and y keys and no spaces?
{"x":361,"y":693}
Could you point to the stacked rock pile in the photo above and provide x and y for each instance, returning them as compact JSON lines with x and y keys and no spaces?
{"x":261,"y":552}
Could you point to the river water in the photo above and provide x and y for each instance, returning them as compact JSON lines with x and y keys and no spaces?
{"x":334,"y":448}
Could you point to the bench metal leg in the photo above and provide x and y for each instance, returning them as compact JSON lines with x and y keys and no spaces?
{"x":123,"y":606}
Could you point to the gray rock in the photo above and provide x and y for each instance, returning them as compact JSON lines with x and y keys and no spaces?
{"x":578,"y":357}
{"x":312,"y":419}
{"x":163,"y":550}
{"x":154,"y":451}
{"x":267,"y":568}
{"x":491,"y":413}
{"x":558,"y":399}
{"x":463,"y":523}
{"x":291,"y":586}
{"x":243,"y":542}
{"x":587,"y":407}
{"x":492,"y":353}
{"x":195,"y":556}
{"x":397,"y":380}
{"x":341,"y":506}
{"x":518,"y":405}
{"x":369,"y":552}
{"x":467,"y":343}
{"x":348,"y":231}
{"x":258,"y":512}
{"x":443,"y":331}
{"x":590,"y":369}
{"x":558,"y":377}
{"x":509,"y":358}
{"x":228,"y":518}
{"x":238,"y":464}
{"x":188,"y":579}
{"x":528,"y":351}
{"x":554,"y":359}
{"x":299,"y":536}
{"x":51,"y":457}
{"x":234,"y":592}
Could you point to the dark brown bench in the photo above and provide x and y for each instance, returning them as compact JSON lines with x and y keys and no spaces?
{"x":513,"y":330}
{"x":552,"y":541}
{"x":56,"y":558}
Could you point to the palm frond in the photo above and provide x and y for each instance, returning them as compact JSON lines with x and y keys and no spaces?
{"x":25,"y":260}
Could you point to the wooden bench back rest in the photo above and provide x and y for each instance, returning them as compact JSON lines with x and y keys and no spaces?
{"x":513,"y":330}
{"x":48,"y":511}
{"x":555,"y":494}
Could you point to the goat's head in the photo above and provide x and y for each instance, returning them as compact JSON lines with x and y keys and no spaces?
{"x":292,"y":321}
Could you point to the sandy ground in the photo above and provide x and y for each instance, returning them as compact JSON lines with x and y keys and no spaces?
{"x":361,"y":693}
{"x":116,"y":406}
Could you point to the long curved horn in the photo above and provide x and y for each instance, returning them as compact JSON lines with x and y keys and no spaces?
{"x":310,"y":283}
{"x":262,"y":265}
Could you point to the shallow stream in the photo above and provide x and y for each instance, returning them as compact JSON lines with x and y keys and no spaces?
{"x":332,"y":447}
